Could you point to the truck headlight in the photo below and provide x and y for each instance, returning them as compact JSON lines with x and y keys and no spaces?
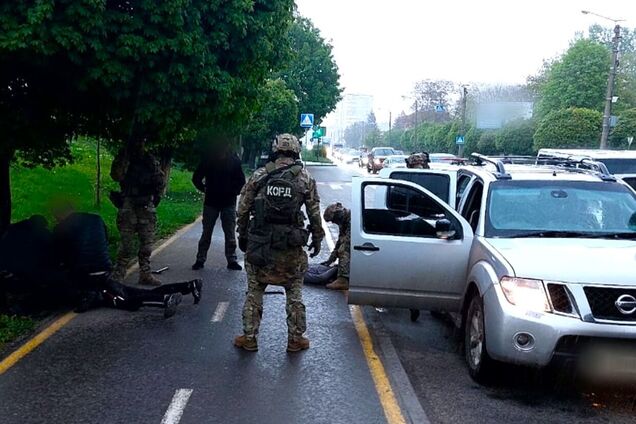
{"x":526,"y":293}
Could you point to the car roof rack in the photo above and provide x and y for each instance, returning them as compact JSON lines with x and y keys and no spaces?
{"x":595,"y":167}
{"x":500,"y":174}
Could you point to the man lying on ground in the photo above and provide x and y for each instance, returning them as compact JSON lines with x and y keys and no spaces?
{"x":81,"y":245}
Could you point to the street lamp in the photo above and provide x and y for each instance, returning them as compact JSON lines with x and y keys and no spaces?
{"x":607,"y":113}
{"x":460,"y":150}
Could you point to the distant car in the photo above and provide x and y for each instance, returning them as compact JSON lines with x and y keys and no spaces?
{"x":395,"y":161}
{"x":399,"y":152}
{"x":348,"y":155}
{"x":377,"y":156}
{"x":441,"y":157}
{"x":363,"y":157}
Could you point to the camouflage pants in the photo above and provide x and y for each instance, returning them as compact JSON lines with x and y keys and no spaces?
{"x":253,"y":309}
{"x":344,"y":258}
{"x":134,"y":221}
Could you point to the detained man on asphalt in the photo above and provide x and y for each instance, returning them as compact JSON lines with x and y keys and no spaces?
{"x":340,"y":216}
{"x":272,"y":233}
{"x":81,"y":244}
{"x":220,"y":176}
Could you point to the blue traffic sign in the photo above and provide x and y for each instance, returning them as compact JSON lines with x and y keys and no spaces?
{"x":439,"y":108}
{"x":307,"y":120}
{"x":459,"y":139}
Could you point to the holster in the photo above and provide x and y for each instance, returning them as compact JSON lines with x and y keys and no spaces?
{"x":259,"y":243}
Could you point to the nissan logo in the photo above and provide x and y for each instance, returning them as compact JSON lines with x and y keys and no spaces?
{"x":626,"y":304}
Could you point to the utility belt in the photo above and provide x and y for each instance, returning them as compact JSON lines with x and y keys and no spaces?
{"x":119,"y":199}
{"x":264,"y":240}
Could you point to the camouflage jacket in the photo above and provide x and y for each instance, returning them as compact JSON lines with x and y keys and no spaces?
{"x":311,"y":199}
{"x":344,"y":235}
{"x":138,"y":177}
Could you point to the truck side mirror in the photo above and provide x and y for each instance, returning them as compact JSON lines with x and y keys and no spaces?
{"x":444,"y":229}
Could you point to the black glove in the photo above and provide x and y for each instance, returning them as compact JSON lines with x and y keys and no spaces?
{"x":315,"y":246}
{"x":242,"y":243}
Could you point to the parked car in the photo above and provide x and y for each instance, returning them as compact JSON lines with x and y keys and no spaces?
{"x":349,"y":155}
{"x":376,"y":157}
{"x":621,"y":163}
{"x":395,"y":161}
{"x":534,"y":264}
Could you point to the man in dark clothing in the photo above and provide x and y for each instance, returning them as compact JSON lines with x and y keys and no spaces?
{"x":81,"y":245}
{"x":29,"y":277}
{"x":221,"y":178}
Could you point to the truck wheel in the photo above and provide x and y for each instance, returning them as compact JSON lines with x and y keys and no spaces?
{"x":480,"y":364}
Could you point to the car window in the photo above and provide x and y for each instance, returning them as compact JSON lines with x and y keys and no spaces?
{"x":462,"y":183}
{"x":383,"y":152}
{"x":438,"y":184}
{"x":519,"y":207}
{"x":473,"y":205}
{"x":398,"y":210}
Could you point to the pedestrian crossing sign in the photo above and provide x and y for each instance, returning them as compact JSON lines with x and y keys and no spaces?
{"x":307,"y":120}
{"x":439,"y":108}
{"x":459,"y":140}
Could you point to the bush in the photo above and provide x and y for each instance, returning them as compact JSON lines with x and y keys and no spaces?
{"x":575,"y":128}
{"x":516,"y":138}
{"x":486,"y":144}
{"x":626,"y":127}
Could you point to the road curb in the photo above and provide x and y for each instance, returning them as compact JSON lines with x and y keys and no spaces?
{"x":408,"y":400}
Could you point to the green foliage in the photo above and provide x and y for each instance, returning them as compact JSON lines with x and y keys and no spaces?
{"x":626,"y":127}
{"x":516,"y":138}
{"x":317,"y":154}
{"x":578,"y":79}
{"x":487,"y":143}
{"x":310,"y":71}
{"x":575,"y":128}
{"x":12,"y":327}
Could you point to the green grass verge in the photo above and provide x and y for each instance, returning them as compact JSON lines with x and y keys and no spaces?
{"x":34,"y":188}
{"x":315,"y":155}
{"x":12,"y":327}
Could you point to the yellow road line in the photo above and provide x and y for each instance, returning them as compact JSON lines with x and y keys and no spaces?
{"x":36,"y":341}
{"x":392,"y":410}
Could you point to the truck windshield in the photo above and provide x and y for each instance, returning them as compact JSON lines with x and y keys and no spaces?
{"x":383,"y":152}
{"x":560,"y":209}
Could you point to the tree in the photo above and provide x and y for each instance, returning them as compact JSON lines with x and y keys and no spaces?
{"x":487,"y":143}
{"x":575,"y":128}
{"x":429,"y":93}
{"x":136,"y":69}
{"x":626,"y":127}
{"x":516,"y":138}
{"x":310,"y":71}
{"x":578,"y":79}
{"x":277,"y":113}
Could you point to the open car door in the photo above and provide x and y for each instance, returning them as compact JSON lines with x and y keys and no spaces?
{"x":397,"y":256}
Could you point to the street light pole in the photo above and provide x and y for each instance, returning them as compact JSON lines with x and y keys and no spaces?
{"x":607,"y":112}
{"x":460,"y":151}
{"x":417,"y":141}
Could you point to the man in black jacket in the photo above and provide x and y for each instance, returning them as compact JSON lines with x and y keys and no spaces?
{"x":81,"y":247}
{"x":220,"y":177}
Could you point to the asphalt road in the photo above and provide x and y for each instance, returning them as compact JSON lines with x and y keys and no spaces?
{"x":109,"y":366}
{"x":430,"y":351}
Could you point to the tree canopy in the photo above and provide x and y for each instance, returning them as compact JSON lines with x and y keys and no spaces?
{"x":574,"y":128}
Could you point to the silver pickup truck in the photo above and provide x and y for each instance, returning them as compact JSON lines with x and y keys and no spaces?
{"x":533,"y":262}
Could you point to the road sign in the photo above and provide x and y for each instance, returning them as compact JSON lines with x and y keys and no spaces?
{"x":319,"y":131}
{"x":459,"y":140}
{"x":439,"y":108}
{"x":307,"y":120}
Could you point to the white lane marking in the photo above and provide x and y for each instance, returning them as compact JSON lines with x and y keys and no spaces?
{"x":219,"y":313}
{"x":335,"y":186}
{"x":177,"y":406}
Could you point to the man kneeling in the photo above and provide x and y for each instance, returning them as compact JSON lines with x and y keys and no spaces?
{"x":81,"y":242}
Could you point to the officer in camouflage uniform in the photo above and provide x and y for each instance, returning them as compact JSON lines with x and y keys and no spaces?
{"x":142,"y":183}
{"x":272,"y":233}
{"x":418,"y":161}
{"x":340,"y":216}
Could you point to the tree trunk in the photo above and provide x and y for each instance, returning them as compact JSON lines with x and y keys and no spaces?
{"x":165,"y":162}
{"x":5,"y":190}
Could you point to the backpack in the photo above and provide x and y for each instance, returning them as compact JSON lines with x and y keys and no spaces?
{"x":282,"y":196}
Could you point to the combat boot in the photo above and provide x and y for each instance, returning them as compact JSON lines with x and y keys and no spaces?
{"x":341,"y":283}
{"x":246,"y":343}
{"x":297,"y":344}
{"x":148,"y":279}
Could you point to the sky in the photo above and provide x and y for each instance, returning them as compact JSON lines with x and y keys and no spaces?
{"x":383,"y":47}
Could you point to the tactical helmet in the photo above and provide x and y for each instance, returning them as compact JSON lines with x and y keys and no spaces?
{"x":286,"y":143}
{"x":332,"y":210}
